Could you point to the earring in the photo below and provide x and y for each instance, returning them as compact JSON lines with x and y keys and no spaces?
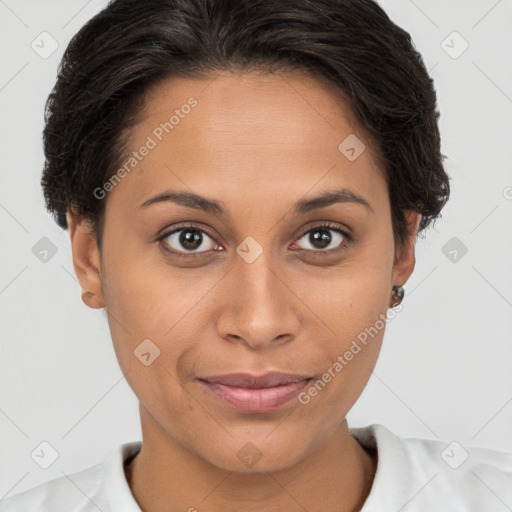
{"x":397,"y":294}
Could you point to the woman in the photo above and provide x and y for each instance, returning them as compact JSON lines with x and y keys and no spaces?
{"x":243,"y":182}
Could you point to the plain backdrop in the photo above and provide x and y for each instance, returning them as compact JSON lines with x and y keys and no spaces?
{"x":444,"y":369}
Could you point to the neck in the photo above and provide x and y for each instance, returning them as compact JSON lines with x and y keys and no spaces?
{"x":166,"y":476}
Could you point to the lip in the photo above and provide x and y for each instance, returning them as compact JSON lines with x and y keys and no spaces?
{"x":256,"y":393}
{"x":248,"y":380}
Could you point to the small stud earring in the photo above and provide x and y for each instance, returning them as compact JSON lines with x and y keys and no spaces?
{"x":397,"y":295}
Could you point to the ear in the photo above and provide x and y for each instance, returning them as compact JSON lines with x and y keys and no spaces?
{"x":86,"y":259}
{"x":405,"y":258}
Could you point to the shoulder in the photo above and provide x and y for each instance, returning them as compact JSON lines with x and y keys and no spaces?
{"x":98,"y":487}
{"x":66,"y":492}
{"x":426,"y":472}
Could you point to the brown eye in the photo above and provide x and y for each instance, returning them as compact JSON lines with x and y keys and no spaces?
{"x":188,"y":240}
{"x":323,"y":238}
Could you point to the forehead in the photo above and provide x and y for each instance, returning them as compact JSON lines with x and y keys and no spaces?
{"x":227,"y":132}
{"x":253,"y":107}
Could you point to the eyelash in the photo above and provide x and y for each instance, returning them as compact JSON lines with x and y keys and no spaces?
{"x":348,"y":239}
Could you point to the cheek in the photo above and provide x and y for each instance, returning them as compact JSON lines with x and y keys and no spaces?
{"x":349,"y":354}
{"x":152,"y":302}
{"x":351,"y":310}
{"x":151,"y":337}
{"x":132,"y":305}
{"x":349,"y":298}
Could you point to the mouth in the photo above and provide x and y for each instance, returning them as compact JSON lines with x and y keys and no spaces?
{"x":255,"y":393}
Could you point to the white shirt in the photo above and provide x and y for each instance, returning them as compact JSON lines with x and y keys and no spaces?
{"x":412,"y":474}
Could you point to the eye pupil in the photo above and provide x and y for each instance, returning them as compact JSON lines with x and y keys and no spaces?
{"x":324,"y":239}
{"x":191,"y":238}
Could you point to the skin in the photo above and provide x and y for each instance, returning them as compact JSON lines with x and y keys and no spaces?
{"x":258,"y":144}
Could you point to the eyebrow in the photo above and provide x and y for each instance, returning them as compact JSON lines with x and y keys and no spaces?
{"x":330,"y":197}
{"x":191,"y":200}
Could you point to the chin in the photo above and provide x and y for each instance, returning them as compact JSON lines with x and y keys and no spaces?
{"x":253,"y":454}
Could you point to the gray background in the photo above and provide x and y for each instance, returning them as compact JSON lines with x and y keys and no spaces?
{"x":444,"y":370}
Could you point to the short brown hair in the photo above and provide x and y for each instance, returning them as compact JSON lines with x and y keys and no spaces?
{"x":131,"y":45}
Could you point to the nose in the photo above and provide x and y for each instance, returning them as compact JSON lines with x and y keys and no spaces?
{"x":261,"y":308}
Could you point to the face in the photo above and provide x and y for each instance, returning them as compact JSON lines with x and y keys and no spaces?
{"x":263,"y":279}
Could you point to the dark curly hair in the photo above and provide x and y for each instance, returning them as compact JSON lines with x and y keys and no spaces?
{"x":117,"y":56}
